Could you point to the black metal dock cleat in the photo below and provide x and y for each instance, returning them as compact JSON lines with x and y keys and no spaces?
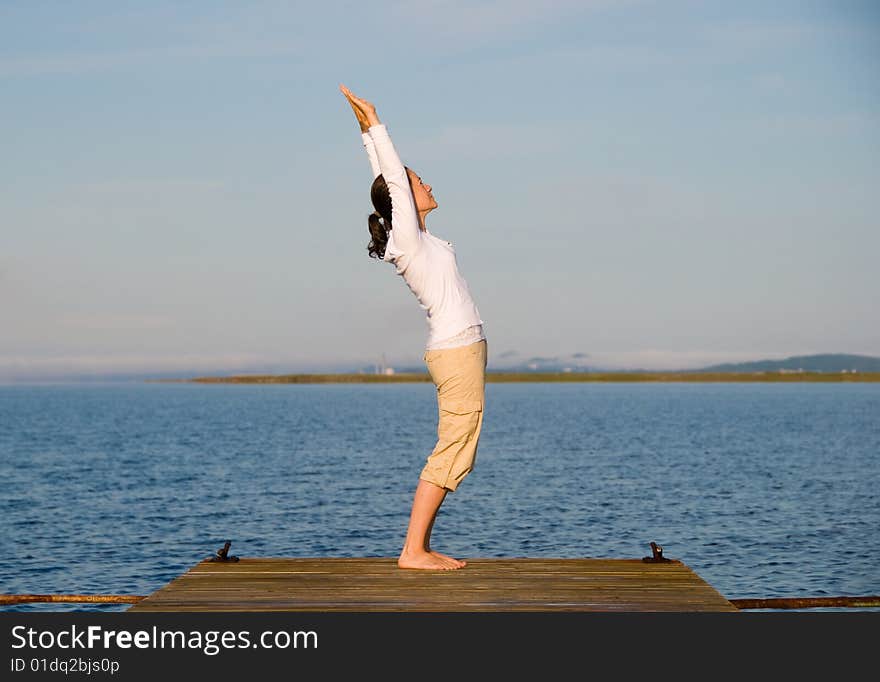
{"x":657,"y":555}
{"x":223,"y":553}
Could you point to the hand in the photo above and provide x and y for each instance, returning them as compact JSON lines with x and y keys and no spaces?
{"x":363,"y":110}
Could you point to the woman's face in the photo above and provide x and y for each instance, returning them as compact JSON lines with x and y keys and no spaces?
{"x":421,"y":192}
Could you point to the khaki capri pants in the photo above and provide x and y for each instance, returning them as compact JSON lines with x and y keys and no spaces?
{"x":460,"y":377}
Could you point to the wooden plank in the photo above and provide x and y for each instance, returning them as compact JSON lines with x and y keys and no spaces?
{"x":376,"y":584}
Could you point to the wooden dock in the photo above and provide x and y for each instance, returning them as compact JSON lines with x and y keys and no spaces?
{"x":376,"y":584}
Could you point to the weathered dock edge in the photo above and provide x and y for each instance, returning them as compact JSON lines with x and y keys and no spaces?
{"x":376,"y":584}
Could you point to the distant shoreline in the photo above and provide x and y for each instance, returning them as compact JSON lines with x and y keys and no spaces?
{"x":521,"y":377}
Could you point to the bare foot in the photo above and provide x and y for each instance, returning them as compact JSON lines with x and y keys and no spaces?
{"x":427,"y":561}
{"x":461,"y":563}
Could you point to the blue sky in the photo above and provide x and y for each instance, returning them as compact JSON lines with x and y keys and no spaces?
{"x":628,"y":184}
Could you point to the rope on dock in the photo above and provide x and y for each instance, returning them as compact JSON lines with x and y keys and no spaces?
{"x":806,"y":602}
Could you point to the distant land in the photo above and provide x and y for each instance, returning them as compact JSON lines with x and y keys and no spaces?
{"x":827,"y":362}
{"x":824,"y":368}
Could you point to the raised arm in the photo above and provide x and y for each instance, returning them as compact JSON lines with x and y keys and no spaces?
{"x":366,"y":116}
{"x":405,"y":233}
{"x":371,"y":153}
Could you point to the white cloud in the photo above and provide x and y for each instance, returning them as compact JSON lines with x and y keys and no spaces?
{"x":79,"y":63}
{"x":657,"y":359}
{"x":747,"y":37}
{"x":485,"y":17}
{"x":116,"y":322}
{"x":147,"y":186}
{"x":25,"y":367}
{"x":489,"y":141}
{"x":466,"y":20}
{"x":848,"y":123}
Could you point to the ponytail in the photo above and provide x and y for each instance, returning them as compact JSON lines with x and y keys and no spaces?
{"x":376,"y":247}
{"x":379,"y":221}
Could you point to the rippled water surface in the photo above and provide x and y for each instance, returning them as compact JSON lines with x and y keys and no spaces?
{"x":765,"y":490}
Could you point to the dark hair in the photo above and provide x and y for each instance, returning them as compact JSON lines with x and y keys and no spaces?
{"x":381,"y":199}
{"x":379,"y":229}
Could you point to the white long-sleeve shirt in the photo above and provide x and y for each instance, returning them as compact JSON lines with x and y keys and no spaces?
{"x":426,"y":263}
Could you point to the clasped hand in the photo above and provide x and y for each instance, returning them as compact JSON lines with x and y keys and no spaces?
{"x":364,"y":111}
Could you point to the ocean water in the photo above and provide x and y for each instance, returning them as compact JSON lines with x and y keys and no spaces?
{"x":765,"y":490}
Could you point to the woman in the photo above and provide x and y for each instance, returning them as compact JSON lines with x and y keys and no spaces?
{"x":456,"y":349}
